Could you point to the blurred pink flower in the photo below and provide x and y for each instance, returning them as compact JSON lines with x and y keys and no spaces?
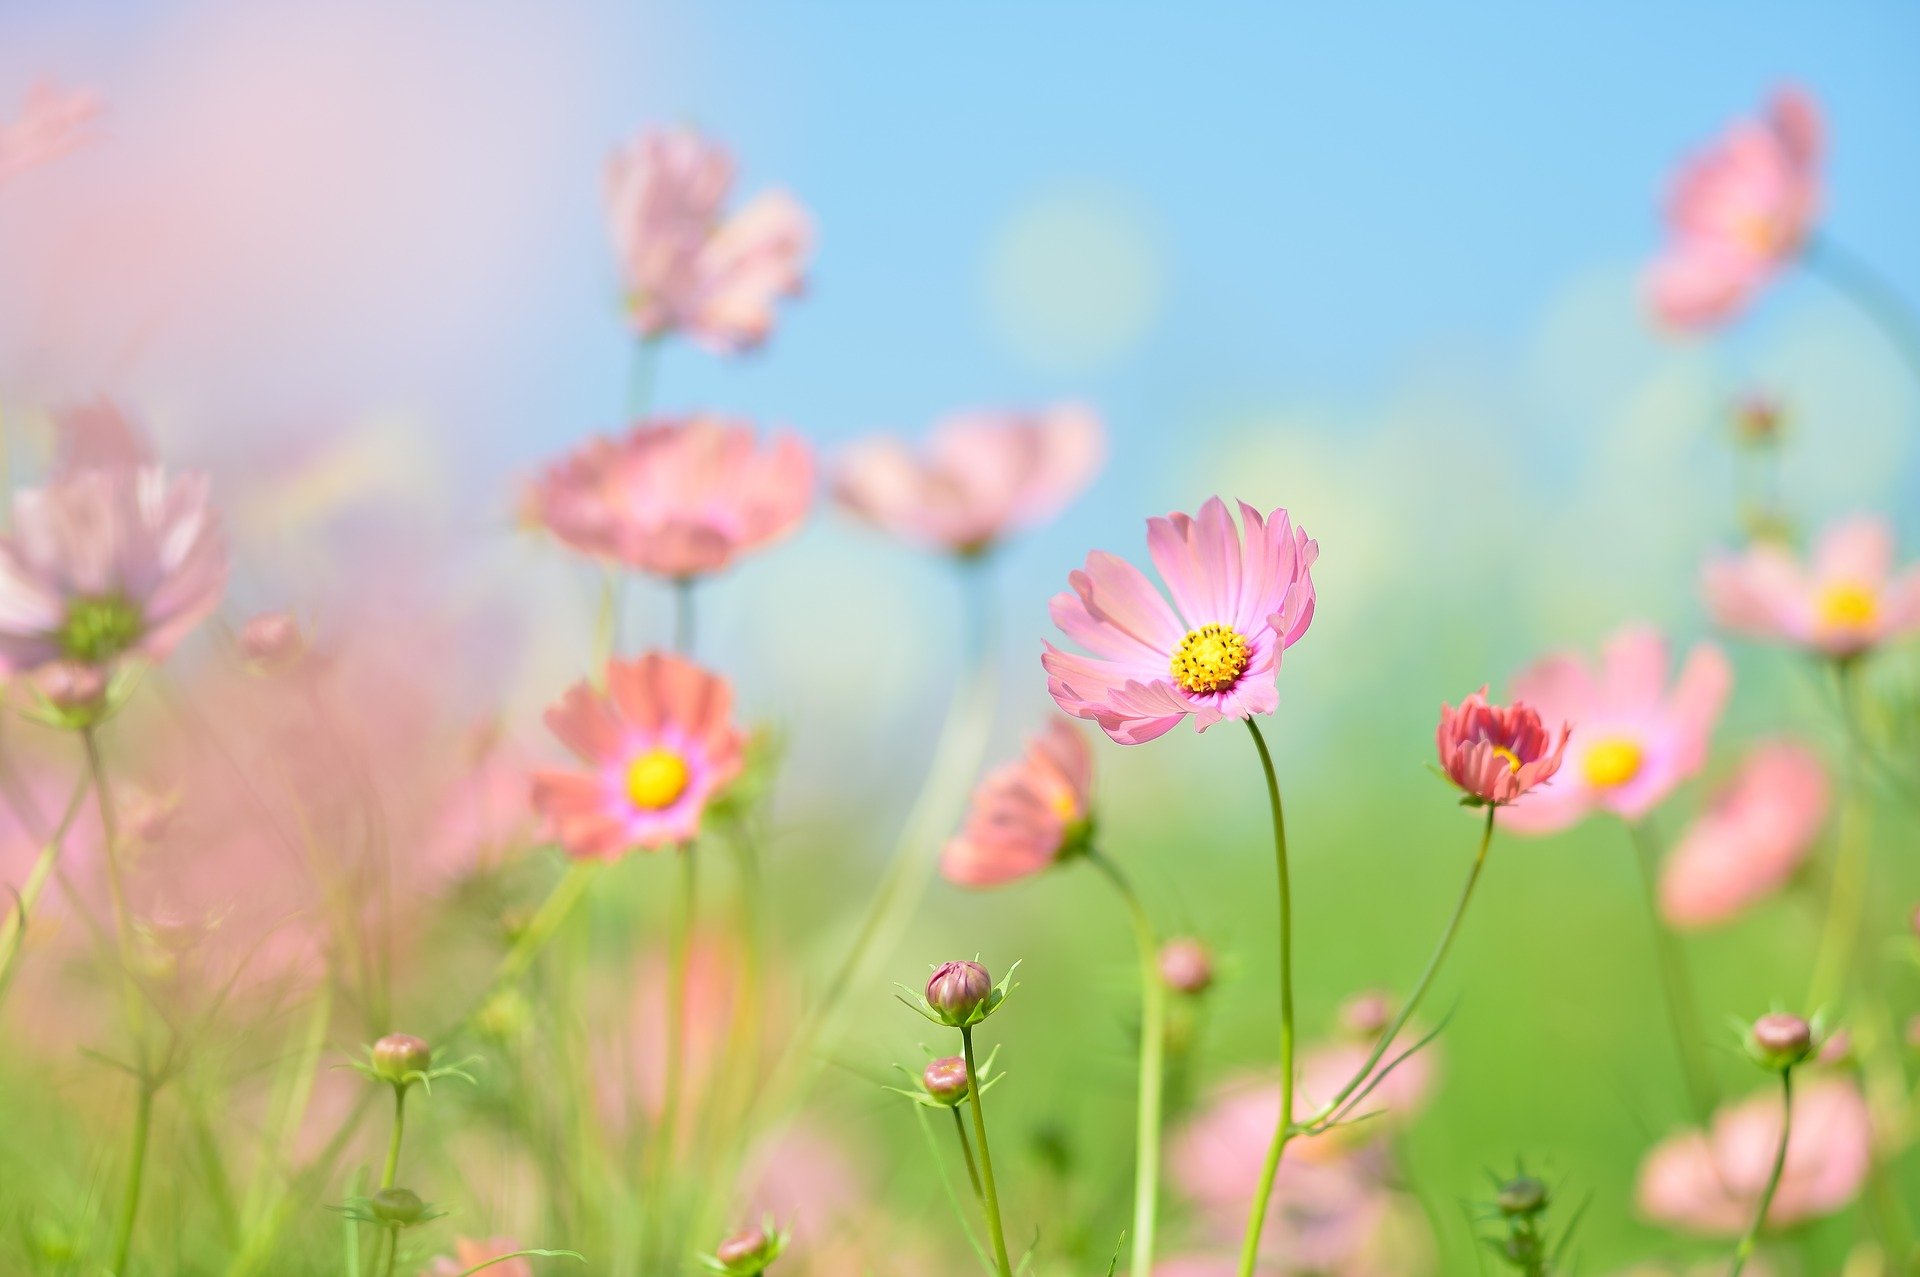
{"x":659,"y":744}
{"x":1711,"y":1183}
{"x":105,"y":564}
{"x":1244,"y":596}
{"x":676,"y":497}
{"x":1025,"y":813}
{"x":481,"y":816}
{"x":980,"y":476}
{"x":468,"y":1252}
{"x":687,"y":266}
{"x":1757,"y":829}
{"x":1847,"y":600}
{"x":1739,"y":211}
{"x":97,"y":435}
{"x":630,"y":1065}
{"x":1634,"y":738}
{"x":1496,"y":752}
{"x":52,"y":122}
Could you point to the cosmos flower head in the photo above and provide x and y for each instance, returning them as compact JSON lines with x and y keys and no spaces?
{"x":1028,"y":814}
{"x":1846,"y":599}
{"x":1495,"y":753}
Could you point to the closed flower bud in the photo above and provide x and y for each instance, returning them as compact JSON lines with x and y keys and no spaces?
{"x":946,"y":1079}
{"x":958,"y":989}
{"x":1522,"y":1196}
{"x":1186,"y":966}
{"x":1780,"y":1041}
{"x":397,"y":1056}
{"x":271,"y":641}
{"x":747,"y":1253}
{"x":397,"y":1206}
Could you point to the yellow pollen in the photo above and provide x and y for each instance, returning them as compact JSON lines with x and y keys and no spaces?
{"x":1612,"y":762}
{"x":1846,"y":606}
{"x":1209,"y":659}
{"x":656,"y":779}
{"x":1513,"y":759}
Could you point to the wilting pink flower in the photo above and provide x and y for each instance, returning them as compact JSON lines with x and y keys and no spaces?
{"x":1711,"y":1183}
{"x":1244,"y":596}
{"x":1756,"y":830}
{"x":1739,"y":211}
{"x":1848,"y":599}
{"x":52,"y":122}
{"x":1634,"y":738}
{"x":980,"y":476}
{"x":659,"y":743}
{"x":687,"y":266}
{"x":1025,"y":814}
{"x":468,"y":1252}
{"x":676,"y":497}
{"x":107,"y":564}
{"x":1496,"y":752}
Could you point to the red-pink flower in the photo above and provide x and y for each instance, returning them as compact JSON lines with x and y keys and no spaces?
{"x":1634,"y":737}
{"x":468,"y":1252}
{"x":1711,"y":1183}
{"x":1739,"y":210}
{"x":1848,"y":599}
{"x":980,"y":476}
{"x":677,"y":497}
{"x":1025,"y":814}
{"x":688,"y":266}
{"x":659,"y":744}
{"x":1496,"y":752}
{"x":1243,"y":596}
{"x":52,"y":122}
{"x":1755,"y":832}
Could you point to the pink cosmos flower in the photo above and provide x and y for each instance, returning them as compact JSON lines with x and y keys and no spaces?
{"x":1496,"y":752}
{"x":97,"y":435}
{"x":1738,"y":212}
{"x":658,"y":744}
{"x":1711,"y":1183}
{"x":1849,"y":599}
{"x":52,"y":122}
{"x":1026,"y":813}
{"x":1243,"y":596}
{"x":980,"y":476}
{"x":1756,"y":830}
{"x":107,"y":564}
{"x":688,"y":267}
{"x":1634,"y":738}
{"x":676,"y":497}
{"x":468,"y":1252}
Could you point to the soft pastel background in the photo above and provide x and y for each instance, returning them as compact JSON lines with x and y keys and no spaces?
{"x":1375,"y":263}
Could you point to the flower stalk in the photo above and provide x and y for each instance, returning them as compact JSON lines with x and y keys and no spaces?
{"x":996,"y":1234}
{"x":1152,"y":1084}
{"x":1283,"y":1129}
{"x":1744,"y":1251}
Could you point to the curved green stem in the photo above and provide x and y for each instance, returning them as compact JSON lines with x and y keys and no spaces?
{"x":14,"y":930}
{"x":1866,"y":288}
{"x":677,"y":1001}
{"x":1745,"y":1250}
{"x":1683,"y":1008}
{"x":1283,"y":1129}
{"x":1153,"y":1044}
{"x":1846,"y":900}
{"x":995,"y":1232}
{"x":393,"y":1142}
{"x":966,"y":1150}
{"x":534,"y":937}
{"x":136,"y":1169}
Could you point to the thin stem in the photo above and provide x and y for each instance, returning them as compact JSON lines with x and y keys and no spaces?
{"x":995,"y":1232}
{"x":14,"y":930}
{"x":393,"y":1142}
{"x":1846,"y":899}
{"x":1866,"y":288}
{"x":966,"y":1148}
{"x":534,"y":937}
{"x":946,"y":1184}
{"x":1745,"y":1249}
{"x":1283,"y":1128}
{"x":136,"y":1173}
{"x":677,"y":999}
{"x":1385,"y":1044}
{"x":393,"y":1251}
{"x":1152,"y":1087}
{"x":641,"y":375}
{"x":683,"y":616}
{"x":1683,"y":1008}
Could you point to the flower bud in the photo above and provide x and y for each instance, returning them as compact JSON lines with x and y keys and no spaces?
{"x":1186,"y":966}
{"x":1758,"y":421}
{"x":72,"y":685}
{"x":398,"y":1056}
{"x":271,"y":641}
{"x":1367,"y":1015}
{"x":946,"y":1079}
{"x":1779,"y":1041}
{"x":1522,"y":1196}
{"x":397,"y":1206}
{"x":747,"y":1252}
{"x":958,"y":990}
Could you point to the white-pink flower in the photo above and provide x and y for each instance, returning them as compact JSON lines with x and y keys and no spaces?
{"x":1847,"y":599}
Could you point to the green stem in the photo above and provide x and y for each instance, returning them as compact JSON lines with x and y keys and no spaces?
{"x":1867,"y":289}
{"x":1683,"y":1008}
{"x":1283,"y":1128}
{"x":966,"y":1149}
{"x":136,"y":1171}
{"x":641,"y":373}
{"x":1745,"y":1249}
{"x":13,"y":931}
{"x":393,"y":1251}
{"x":533,"y":938}
{"x":1152,"y":1087}
{"x":677,"y":963}
{"x":1846,"y":899}
{"x":683,"y":616}
{"x":995,"y":1232}
{"x":946,"y":1183}
{"x":393,"y":1142}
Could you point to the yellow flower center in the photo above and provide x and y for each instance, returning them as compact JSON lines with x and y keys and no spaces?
{"x":656,"y":779}
{"x":1846,"y":606}
{"x":1209,"y":659}
{"x":1513,"y":759}
{"x":1612,"y":762}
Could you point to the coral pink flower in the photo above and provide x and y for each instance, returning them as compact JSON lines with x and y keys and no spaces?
{"x":1634,"y":738}
{"x":52,"y":122}
{"x":1755,"y":832}
{"x":980,"y":476}
{"x":677,"y":498}
{"x":468,"y":1252}
{"x":1711,"y":1183}
{"x":106,"y":564}
{"x":658,"y":744}
{"x":1847,"y":600}
{"x":1496,"y":752}
{"x":1243,"y":596}
{"x":687,"y":267}
{"x":1739,"y":211}
{"x":1025,"y":814}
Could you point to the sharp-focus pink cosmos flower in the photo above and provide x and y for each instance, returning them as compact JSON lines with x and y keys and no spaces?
{"x":677,"y":497}
{"x":1243,"y":597}
{"x":1634,"y":738}
{"x":659,"y":744}
{"x":1025,"y":814}
{"x":52,"y":122}
{"x":688,"y":267}
{"x":1755,"y":832}
{"x":107,"y":564}
{"x":1738,"y":212}
{"x":468,"y":1253}
{"x":1496,"y":752}
{"x":980,"y":476}
{"x":1847,"y":600}
{"x":1711,"y":1184}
